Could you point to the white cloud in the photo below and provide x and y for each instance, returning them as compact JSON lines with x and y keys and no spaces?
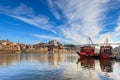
{"x":49,"y":37}
{"x":37,"y":21}
{"x":53,"y":8}
{"x":23,"y":10}
{"x":26,"y":14}
{"x":114,"y":35}
{"x":84,"y":18}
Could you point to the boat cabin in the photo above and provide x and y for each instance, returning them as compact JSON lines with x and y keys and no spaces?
{"x":106,"y":50}
{"x":87,"y":50}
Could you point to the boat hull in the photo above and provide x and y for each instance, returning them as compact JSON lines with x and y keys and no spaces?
{"x":104,"y":56}
{"x":96,"y":56}
{"x":83,"y":55}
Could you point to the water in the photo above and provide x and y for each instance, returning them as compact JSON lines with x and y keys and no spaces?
{"x":36,"y":66}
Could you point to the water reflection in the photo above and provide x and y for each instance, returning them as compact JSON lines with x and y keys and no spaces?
{"x":105,"y":65}
{"x":52,"y":59}
{"x":28,"y":66}
{"x":8,"y":59}
{"x":87,"y":63}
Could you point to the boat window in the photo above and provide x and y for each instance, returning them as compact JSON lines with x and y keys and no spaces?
{"x":92,"y":50}
{"x":107,"y":50}
{"x":82,"y":50}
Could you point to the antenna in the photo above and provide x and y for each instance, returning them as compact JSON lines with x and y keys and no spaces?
{"x":106,"y":42}
{"x":91,"y":42}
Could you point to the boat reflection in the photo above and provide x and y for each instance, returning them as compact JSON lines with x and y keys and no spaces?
{"x":55,"y":59}
{"x":87,"y":63}
{"x":105,"y":64}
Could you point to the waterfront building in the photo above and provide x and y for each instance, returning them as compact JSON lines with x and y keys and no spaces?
{"x":54,"y":43}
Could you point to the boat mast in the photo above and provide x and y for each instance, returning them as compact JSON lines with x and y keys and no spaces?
{"x":91,"y":42}
{"x":106,"y":42}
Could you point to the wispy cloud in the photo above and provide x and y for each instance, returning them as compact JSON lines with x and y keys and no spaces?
{"x":49,"y":37}
{"x":54,"y":9}
{"x":84,"y":18}
{"x":114,"y":35}
{"x":26,"y":14}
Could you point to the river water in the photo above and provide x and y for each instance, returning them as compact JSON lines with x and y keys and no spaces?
{"x":35,"y":66}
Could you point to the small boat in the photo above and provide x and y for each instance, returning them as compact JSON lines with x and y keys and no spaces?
{"x":106,"y":51}
{"x":86,"y":52}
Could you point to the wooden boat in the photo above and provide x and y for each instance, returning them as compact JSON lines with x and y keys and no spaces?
{"x":105,"y":52}
{"x":86,"y":52}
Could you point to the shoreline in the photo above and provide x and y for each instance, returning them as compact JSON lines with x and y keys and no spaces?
{"x":34,"y":51}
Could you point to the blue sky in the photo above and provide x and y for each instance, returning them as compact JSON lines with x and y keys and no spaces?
{"x":68,"y":21}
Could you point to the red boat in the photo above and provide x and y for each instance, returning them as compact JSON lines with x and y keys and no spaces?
{"x":89,"y":51}
{"x":86,"y":51}
{"x":106,"y":50}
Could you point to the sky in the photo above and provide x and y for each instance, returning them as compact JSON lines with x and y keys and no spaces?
{"x":67,"y":21}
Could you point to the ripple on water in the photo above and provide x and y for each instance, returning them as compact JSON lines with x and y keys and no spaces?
{"x":56,"y":67}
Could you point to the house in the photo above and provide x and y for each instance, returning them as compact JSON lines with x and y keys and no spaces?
{"x":54,"y":43}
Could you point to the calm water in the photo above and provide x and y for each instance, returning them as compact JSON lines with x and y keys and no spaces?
{"x":56,"y":67}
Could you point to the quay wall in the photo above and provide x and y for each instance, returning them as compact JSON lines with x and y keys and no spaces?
{"x":9,"y":51}
{"x":32,"y":50}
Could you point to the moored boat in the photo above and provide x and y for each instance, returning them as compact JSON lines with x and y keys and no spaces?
{"x":86,"y":51}
{"x":105,"y":52}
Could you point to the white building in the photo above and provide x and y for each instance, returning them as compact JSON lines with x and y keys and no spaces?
{"x":53,"y":43}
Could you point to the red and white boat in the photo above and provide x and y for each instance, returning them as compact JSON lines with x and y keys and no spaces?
{"x":87,"y":51}
{"x":106,"y":50}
